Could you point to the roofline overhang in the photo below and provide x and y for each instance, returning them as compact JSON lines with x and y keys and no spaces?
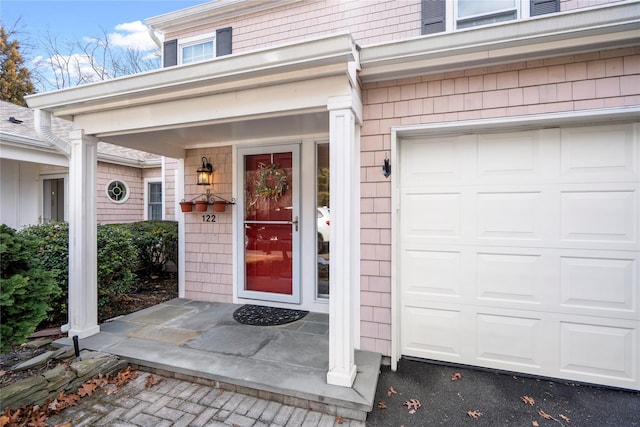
{"x":213,"y":11}
{"x":611,"y":26}
{"x":305,"y":60}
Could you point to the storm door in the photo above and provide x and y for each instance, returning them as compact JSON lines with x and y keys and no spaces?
{"x":53,"y":199}
{"x":270,"y":222}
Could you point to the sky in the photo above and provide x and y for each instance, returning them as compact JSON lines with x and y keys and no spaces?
{"x":81,"y":19}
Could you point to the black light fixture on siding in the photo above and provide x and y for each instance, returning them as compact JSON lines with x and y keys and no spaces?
{"x":204,"y":172}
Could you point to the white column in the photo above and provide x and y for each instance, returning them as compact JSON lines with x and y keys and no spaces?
{"x":83,"y":246}
{"x":344,"y":278}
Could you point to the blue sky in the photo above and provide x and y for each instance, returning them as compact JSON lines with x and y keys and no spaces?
{"x":75,"y":21}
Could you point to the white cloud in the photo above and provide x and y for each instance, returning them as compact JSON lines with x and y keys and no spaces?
{"x":133,"y":35}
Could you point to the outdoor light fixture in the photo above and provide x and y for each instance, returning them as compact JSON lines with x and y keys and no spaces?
{"x":204,"y":172}
{"x":386,"y":168}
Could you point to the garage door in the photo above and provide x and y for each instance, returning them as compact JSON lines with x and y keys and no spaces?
{"x":519,"y":251}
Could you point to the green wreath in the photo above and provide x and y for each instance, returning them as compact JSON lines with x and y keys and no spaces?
{"x":272,"y":181}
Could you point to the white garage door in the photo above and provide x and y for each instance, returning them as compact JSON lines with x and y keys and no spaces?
{"x":520,"y":251}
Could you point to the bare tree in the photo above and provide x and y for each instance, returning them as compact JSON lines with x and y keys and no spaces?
{"x":74,"y":63}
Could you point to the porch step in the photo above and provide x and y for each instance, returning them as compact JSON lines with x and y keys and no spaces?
{"x":272,"y":370}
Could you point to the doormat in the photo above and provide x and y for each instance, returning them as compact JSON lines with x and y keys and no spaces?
{"x":260,"y":315}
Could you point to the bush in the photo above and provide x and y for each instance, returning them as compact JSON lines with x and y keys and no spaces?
{"x":157,"y":244}
{"x":53,"y":256}
{"x":26,"y":288}
{"x":117,"y":260}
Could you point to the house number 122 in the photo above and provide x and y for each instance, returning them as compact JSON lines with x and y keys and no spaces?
{"x":208,"y":218}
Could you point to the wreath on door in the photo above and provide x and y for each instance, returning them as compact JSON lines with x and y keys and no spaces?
{"x":271,"y":182}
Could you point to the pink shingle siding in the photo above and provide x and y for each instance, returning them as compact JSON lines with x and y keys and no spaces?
{"x":129,"y":211}
{"x":595,"y":80}
{"x":208,"y":258}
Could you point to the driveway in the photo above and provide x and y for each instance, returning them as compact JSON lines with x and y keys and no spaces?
{"x":498,"y":399}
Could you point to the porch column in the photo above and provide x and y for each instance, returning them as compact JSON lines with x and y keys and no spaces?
{"x":83,"y":246}
{"x":344,"y":279}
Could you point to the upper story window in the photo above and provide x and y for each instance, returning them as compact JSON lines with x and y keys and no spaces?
{"x":471,"y":13}
{"x":451,"y":15}
{"x":198,"y":48}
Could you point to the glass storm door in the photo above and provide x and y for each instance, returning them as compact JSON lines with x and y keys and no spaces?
{"x":270,"y":224}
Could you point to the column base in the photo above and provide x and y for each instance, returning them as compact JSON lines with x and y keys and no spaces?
{"x":84,"y":333}
{"x":340,"y":377}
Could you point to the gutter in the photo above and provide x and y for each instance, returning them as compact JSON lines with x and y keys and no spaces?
{"x":42,"y":124}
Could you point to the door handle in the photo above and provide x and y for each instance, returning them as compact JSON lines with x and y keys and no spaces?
{"x":295,"y":221}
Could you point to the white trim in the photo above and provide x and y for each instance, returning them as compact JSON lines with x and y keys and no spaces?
{"x":148,"y":181}
{"x":196,"y":40}
{"x":242,"y":294}
{"x":126,"y":196}
{"x":485,"y":125}
{"x":179,"y":215}
{"x":43,"y":176}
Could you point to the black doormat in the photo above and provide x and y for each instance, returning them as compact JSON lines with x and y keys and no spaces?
{"x":260,"y":315}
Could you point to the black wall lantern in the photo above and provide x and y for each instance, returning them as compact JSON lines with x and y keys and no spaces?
{"x":204,"y":172}
{"x":386,"y":167}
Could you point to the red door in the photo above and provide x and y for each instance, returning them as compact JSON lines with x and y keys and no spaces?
{"x":270,"y":226}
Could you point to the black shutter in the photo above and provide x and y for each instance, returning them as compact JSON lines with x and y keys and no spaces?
{"x":433,"y":14}
{"x":223,"y":41}
{"x":170,"y":53}
{"x":541,"y":7}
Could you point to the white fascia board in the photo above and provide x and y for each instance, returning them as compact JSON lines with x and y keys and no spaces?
{"x":275,"y":65}
{"x":123,"y":161}
{"x":210,"y":12}
{"x":32,"y":154}
{"x":612,"y":26}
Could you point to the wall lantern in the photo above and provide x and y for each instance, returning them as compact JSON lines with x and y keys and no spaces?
{"x":204,"y":172}
{"x":386,"y":167}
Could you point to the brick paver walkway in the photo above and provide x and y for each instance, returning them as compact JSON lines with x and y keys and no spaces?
{"x":174,"y":402}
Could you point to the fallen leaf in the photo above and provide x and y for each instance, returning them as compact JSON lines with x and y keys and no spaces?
{"x":457,"y":376}
{"x":87,"y":389}
{"x":391,"y":391}
{"x":528,"y":400}
{"x":545,"y":415}
{"x":474,"y":414}
{"x":4,"y":420}
{"x":63,"y":425}
{"x":534,"y":423}
{"x":151,"y":381}
{"x":565,"y":418}
{"x":382,"y":405}
{"x":339,"y":420}
{"x":2,"y":373}
{"x":412,"y":404}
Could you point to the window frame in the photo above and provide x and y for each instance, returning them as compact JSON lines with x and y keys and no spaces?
{"x":522,"y":8}
{"x":147,"y":183}
{"x":194,"y":41}
{"x":126,"y":196}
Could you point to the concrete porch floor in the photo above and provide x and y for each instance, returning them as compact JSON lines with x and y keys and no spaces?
{"x":201,"y":341}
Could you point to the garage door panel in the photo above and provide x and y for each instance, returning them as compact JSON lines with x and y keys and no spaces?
{"x":605,"y":286}
{"x":606,"y":351}
{"x":509,"y":340}
{"x":510,"y":215}
{"x":521,"y":251}
{"x":433,"y":333}
{"x":606,"y":215}
{"x":599,"y":154}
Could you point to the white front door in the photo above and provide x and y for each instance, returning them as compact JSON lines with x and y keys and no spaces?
{"x":520,"y":251}
{"x":269,"y":212}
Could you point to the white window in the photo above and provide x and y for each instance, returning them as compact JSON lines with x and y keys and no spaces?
{"x":473,"y":13}
{"x":196,"y":49}
{"x":117,"y":191}
{"x":153,"y":199}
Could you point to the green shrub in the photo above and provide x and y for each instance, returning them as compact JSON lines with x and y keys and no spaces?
{"x":53,"y":256}
{"x":25,"y":288}
{"x":117,"y":261}
{"x":157,"y":244}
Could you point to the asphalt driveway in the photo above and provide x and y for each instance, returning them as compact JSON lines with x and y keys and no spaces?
{"x":501,"y":399}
